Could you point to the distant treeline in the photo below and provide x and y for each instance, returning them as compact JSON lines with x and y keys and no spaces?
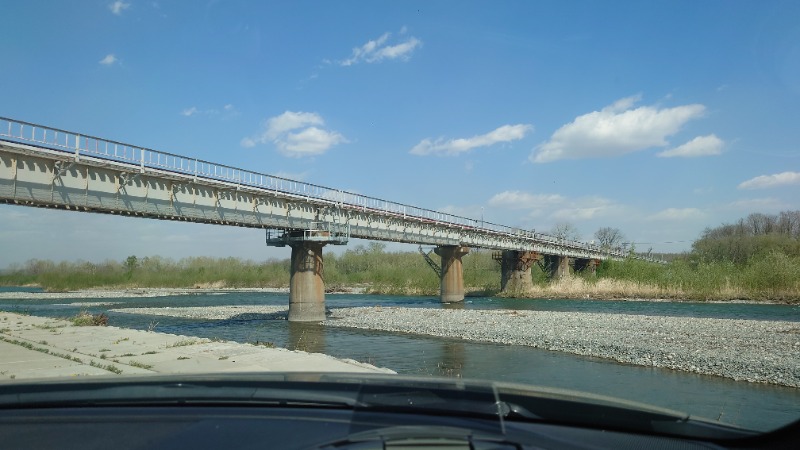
{"x":370,"y":267}
{"x":756,"y":258}
{"x":753,"y":237}
{"x":151,"y":271}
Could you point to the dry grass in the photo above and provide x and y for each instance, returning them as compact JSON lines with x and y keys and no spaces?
{"x":577,"y":287}
{"x":608,"y":288}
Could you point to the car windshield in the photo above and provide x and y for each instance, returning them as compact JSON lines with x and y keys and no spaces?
{"x":582,"y":197}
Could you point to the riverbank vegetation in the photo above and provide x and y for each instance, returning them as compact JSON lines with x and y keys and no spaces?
{"x":756,"y":258}
{"x":370,"y":268}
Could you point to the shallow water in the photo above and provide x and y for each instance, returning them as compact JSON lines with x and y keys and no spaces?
{"x":745,"y":404}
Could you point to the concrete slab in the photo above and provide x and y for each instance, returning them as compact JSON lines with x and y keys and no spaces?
{"x":38,"y":347}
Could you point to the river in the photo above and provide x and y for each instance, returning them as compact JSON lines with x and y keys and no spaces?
{"x":750,"y":405}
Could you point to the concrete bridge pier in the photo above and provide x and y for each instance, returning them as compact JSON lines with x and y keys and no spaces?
{"x":558,"y":266}
{"x":306,"y":286}
{"x":515,"y":270}
{"x":452,"y":277}
{"x":586,"y":265}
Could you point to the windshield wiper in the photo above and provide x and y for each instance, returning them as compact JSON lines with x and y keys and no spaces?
{"x":558,"y":406}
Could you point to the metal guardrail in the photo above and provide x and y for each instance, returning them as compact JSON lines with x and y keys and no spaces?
{"x":80,"y":144}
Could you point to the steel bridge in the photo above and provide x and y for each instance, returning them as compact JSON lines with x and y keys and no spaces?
{"x":48,"y":167}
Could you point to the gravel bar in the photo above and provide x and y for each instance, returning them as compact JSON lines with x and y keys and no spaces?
{"x":744,"y":350}
{"x":212,"y":312}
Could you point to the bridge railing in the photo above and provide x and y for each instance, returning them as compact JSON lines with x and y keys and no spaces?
{"x":81,"y":144}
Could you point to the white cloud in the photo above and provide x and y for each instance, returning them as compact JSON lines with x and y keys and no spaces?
{"x":189,"y":111}
{"x":308,"y":142}
{"x":228,"y":111}
{"x":678,"y":214}
{"x":377,"y":50}
{"x":279,"y":125}
{"x":557,"y":207}
{"x":524,"y":200}
{"x":699,"y":146}
{"x":615,"y":130}
{"x":506,"y":133}
{"x":309,"y":139}
{"x":248,"y":142}
{"x":770,"y":181}
{"x":765,"y":204}
{"x":109,"y":59}
{"x":702,"y":190}
{"x":118,"y":7}
{"x":587,"y":208}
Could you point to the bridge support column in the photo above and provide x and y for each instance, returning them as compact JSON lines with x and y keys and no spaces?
{"x":452,"y":279}
{"x":306,"y":286}
{"x":586,"y":265}
{"x":558,"y":266}
{"x":515,"y":270}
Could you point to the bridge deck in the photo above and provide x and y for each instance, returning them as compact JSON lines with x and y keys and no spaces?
{"x":42,"y":166}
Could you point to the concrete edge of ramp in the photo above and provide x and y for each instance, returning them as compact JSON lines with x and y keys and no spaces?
{"x":41,"y":347}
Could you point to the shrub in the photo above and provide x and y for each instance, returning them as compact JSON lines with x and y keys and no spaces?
{"x":86,"y":319}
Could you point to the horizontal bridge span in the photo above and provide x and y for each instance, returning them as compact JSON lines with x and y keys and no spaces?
{"x":42,"y":166}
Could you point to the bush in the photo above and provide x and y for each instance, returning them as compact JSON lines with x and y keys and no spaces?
{"x":86,"y":319}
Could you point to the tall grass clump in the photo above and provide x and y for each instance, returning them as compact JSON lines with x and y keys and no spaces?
{"x":87,"y":319}
{"x":773,"y":276}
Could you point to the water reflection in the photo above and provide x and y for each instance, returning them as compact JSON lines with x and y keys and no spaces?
{"x":456,"y":305}
{"x":452,"y":361}
{"x":306,"y":337}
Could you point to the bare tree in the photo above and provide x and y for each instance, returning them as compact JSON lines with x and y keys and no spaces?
{"x":609,"y":237}
{"x":566,"y":230}
{"x":789,"y":223}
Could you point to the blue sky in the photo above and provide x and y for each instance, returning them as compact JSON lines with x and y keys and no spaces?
{"x":658,"y":118}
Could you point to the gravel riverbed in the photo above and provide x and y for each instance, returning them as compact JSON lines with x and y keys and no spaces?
{"x":750,"y":350}
{"x":213,"y":312}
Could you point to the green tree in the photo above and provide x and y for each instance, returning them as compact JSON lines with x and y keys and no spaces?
{"x":131,"y":263}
